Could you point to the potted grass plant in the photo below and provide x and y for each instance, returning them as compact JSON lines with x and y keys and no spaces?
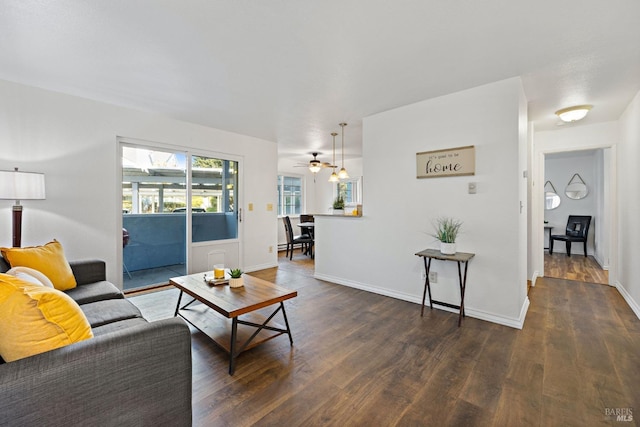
{"x":447,"y":230}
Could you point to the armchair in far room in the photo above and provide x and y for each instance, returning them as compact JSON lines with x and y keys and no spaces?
{"x":577,"y":231}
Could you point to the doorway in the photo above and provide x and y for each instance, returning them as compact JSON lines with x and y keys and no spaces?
{"x":563,"y":171}
{"x":179,"y":213}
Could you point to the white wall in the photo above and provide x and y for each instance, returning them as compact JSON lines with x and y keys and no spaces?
{"x":559,"y":170}
{"x":629,"y":211}
{"x":376,"y":252}
{"x":73,"y":141}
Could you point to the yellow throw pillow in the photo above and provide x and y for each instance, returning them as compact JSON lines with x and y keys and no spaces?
{"x":35,"y":319}
{"x":48,"y":259}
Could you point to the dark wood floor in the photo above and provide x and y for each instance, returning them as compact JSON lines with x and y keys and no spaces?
{"x":361,"y":359}
{"x":575,"y":267}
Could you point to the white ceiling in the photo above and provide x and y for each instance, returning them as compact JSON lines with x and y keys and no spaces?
{"x":291,"y":70}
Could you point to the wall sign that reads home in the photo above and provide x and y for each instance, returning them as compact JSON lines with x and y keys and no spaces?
{"x":450,"y":162}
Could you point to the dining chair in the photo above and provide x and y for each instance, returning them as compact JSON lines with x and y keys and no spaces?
{"x":577,"y":231}
{"x":305,"y":241}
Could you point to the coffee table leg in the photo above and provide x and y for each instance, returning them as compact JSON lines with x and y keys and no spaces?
{"x":178,"y":305}
{"x":286,"y":322}
{"x":232,"y":349}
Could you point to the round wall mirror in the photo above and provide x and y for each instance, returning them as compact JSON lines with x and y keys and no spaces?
{"x":551,"y":200}
{"x":576,"y":189}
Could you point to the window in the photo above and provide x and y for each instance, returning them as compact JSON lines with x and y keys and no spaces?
{"x":289,"y":195}
{"x":350,"y":190}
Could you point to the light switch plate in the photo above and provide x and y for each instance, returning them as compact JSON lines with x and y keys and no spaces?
{"x":472,"y":188}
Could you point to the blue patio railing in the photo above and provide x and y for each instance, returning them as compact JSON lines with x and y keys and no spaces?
{"x":158,"y":240}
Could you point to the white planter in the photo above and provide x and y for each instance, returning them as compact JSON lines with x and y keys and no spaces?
{"x":236,"y":283}
{"x":338,"y":212}
{"x":448,"y":248}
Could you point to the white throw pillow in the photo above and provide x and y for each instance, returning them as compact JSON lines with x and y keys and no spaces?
{"x":30,"y":275}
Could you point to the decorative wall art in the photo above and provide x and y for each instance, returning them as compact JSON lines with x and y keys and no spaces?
{"x":458,"y":161}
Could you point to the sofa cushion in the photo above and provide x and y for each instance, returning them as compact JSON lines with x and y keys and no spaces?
{"x":108,"y":311}
{"x":118,"y":326}
{"x":35,"y":319}
{"x":48,"y":259}
{"x":93,"y":292}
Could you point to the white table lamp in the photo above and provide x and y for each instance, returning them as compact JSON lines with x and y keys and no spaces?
{"x":17,"y":185}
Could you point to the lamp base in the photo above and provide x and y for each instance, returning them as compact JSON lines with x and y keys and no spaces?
{"x":17,"y":225}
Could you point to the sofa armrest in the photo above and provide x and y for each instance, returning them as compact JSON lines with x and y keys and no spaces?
{"x":137,"y":376}
{"x":89,"y":271}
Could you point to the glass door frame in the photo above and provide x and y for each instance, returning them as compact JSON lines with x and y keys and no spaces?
{"x":188,"y":152}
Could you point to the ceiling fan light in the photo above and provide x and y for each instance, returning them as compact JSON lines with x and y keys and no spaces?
{"x":573,"y":114}
{"x":315,"y":168}
{"x":343,"y":174}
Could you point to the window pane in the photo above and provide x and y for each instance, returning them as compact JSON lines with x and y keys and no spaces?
{"x":152,"y":181}
{"x":347,"y":190}
{"x":289,"y":195}
{"x":213,"y":192}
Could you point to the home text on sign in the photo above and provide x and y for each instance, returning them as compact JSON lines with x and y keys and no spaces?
{"x":450,"y":162}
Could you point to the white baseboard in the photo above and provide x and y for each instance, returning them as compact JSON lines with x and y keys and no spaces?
{"x":259,"y":267}
{"x":535,"y":276}
{"x":601,"y":262}
{"x":469,"y":311}
{"x":628,"y":298}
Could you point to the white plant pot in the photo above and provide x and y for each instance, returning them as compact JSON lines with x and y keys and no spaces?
{"x":338,"y":212}
{"x":236,"y":283}
{"x":448,"y":248}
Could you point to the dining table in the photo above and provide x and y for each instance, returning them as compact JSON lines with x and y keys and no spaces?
{"x":308,"y":228}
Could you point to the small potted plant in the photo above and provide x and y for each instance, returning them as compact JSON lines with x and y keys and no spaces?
{"x":447,"y":230}
{"x":338,"y":205}
{"x":236,"y":280}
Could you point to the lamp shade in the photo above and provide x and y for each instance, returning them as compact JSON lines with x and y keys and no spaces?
{"x":18,"y":185}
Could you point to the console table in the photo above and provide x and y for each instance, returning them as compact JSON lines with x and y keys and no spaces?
{"x":460,"y":258}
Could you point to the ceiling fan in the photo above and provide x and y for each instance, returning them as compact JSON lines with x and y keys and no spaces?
{"x":315,"y":165}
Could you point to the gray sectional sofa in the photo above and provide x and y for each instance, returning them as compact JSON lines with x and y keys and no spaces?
{"x":131,"y":373}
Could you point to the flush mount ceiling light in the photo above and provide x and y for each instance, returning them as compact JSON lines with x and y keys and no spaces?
{"x":573,"y":114}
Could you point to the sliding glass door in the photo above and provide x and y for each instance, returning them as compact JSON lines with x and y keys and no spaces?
{"x":178,"y":214}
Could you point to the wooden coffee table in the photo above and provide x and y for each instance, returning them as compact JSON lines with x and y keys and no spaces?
{"x":232,"y":303}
